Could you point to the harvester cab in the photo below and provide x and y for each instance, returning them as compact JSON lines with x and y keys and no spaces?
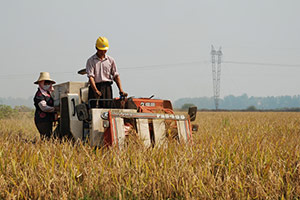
{"x":112,"y":121}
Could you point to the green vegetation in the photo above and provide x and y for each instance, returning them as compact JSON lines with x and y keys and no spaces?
{"x":251,"y":108}
{"x":7,"y":112}
{"x":242,"y":102}
{"x":186,"y":106}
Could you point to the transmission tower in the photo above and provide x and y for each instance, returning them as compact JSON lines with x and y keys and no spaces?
{"x":216,"y":72}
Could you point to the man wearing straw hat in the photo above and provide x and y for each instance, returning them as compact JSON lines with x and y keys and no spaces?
{"x":102,"y":71}
{"x":43,"y":102}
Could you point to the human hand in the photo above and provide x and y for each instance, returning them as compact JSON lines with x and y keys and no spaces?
{"x":98,"y":94}
{"x":123,"y":94}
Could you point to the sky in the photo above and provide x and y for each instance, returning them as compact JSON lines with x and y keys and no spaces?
{"x":161,"y":47}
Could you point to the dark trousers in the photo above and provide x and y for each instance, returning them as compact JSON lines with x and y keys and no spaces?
{"x":45,"y":129}
{"x":106,"y":91}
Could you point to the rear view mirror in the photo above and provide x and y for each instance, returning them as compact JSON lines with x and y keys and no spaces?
{"x":82,"y":71}
{"x":192,"y":113}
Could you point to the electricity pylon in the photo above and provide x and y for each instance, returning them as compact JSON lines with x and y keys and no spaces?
{"x":216,"y":73}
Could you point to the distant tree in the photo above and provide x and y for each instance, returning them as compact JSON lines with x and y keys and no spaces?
{"x":23,"y":109}
{"x":186,"y":106}
{"x":6,"y":111}
{"x":251,"y":108}
{"x":242,"y":102}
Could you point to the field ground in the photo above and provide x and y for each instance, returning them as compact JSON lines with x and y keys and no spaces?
{"x":234,"y":155}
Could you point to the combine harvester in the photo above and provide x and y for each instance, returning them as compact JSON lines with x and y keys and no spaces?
{"x":152,"y":120}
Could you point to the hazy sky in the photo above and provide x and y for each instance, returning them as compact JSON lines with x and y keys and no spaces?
{"x":161,"y":47}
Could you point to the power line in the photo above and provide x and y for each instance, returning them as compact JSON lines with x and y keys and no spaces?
{"x":162,"y":66}
{"x":262,"y":64}
{"x":165,"y":65}
{"x":158,"y":66}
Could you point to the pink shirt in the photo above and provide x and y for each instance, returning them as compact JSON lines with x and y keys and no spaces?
{"x":102,"y":70}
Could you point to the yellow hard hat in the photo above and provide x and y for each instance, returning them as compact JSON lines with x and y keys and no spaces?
{"x":102,"y":43}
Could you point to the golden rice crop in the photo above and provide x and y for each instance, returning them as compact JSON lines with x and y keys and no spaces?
{"x":234,"y":155}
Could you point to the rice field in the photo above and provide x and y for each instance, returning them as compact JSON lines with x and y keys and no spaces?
{"x":234,"y":155}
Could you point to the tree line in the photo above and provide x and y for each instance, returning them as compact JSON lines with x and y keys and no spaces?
{"x":242,"y":102}
{"x":229,"y":102}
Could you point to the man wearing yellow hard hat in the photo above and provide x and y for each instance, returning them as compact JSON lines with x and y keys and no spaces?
{"x":102,"y":71}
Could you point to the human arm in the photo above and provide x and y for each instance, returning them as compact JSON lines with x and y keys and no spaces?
{"x":90,"y":70}
{"x":119,"y":84}
{"x":93,"y":85}
{"x":116,"y":77}
{"x":40,"y":101}
{"x":44,"y":107}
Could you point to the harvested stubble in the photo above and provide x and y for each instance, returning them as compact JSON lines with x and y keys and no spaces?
{"x":233,"y":156}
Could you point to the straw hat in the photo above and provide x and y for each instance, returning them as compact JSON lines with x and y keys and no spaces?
{"x":44,"y":76}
